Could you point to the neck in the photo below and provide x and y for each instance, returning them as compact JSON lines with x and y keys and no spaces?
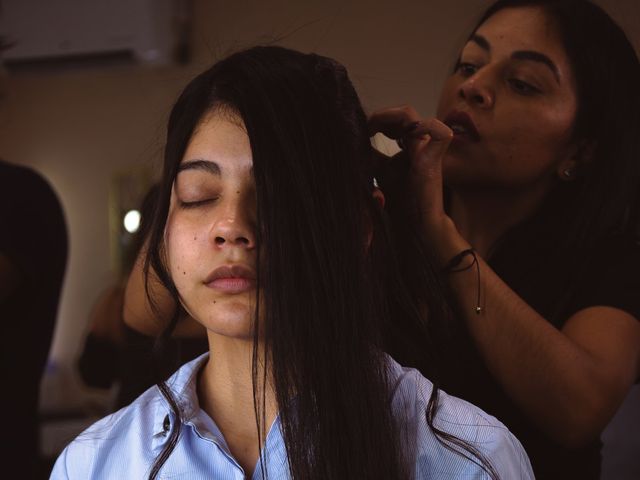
{"x":483,"y":216}
{"x":225,"y":391}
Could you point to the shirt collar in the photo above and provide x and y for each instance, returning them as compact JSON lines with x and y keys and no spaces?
{"x":183,"y":386}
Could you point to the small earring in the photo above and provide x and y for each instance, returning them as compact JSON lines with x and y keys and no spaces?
{"x":567,"y":172}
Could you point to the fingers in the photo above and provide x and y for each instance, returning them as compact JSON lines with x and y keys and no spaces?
{"x":427,"y":148}
{"x":437,"y":130}
{"x":425,"y":143}
{"x":393,"y":122}
{"x":429,"y":142}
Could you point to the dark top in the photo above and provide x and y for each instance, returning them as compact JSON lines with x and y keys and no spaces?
{"x":33,"y":236}
{"x":133,"y":365}
{"x":556,"y":288}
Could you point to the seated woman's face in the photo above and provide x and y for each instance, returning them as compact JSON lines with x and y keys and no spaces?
{"x":210,"y":236}
{"x":514,"y":83}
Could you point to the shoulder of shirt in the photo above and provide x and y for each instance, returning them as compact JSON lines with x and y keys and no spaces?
{"x":410,"y":388}
{"x":411,"y":396}
{"x":128,"y":430}
{"x":151,"y":404}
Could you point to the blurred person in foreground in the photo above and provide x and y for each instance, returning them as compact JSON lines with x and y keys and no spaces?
{"x":33,"y":256}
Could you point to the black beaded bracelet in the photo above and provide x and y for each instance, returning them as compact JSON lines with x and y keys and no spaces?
{"x":452,"y":266}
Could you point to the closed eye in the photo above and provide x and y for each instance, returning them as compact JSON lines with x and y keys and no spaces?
{"x":466,"y":69}
{"x":522,"y":88}
{"x":196,"y":203}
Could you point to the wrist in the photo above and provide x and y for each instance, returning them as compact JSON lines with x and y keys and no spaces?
{"x":444,"y":240}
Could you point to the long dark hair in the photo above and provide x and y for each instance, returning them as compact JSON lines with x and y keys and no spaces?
{"x":326,"y":307}
{"x":604,"y":198}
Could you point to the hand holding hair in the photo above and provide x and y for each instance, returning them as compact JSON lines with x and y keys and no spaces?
{"x":425,"y":142}
{"x":393,"y":122}
{"x":427,"y":146}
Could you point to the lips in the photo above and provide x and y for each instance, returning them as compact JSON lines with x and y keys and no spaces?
{"x":462,"y":126}
{"x":231,"y":279}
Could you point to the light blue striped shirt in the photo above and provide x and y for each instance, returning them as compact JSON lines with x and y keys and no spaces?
{"x":125,"y":444}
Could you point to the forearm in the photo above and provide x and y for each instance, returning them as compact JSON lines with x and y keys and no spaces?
{"x":559,"y":384}
{"x":568,"y":382}
{"x":139,"y":313}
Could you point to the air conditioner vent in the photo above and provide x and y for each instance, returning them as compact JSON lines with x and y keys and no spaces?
{"x":91,"y":31}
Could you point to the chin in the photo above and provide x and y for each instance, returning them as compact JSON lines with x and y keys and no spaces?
{"x":232,"y":319}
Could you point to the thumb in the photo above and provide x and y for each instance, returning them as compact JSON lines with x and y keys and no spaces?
{"x":431,"y":142}
{"x":427,"y":152}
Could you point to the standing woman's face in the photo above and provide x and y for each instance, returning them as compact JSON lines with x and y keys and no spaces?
{"x":512,"y":103}
{"x":210,"y":234}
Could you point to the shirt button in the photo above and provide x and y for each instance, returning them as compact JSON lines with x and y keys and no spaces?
{"x":166,"y":424}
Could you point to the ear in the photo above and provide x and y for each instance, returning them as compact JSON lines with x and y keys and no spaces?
{"x":582,"y":154}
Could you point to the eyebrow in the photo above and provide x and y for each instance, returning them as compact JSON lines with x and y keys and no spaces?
{"x":205,"y":165}
{"x":528,"y":55}
{"x":537,"y":57}
{"x":480,"y":41}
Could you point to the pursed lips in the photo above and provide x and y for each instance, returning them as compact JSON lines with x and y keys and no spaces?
{"x":231,"y":279}
{"x":463,"y":126}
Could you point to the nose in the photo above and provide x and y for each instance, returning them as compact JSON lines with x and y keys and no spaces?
{"x":477,"y":90}
{"x":234,"y":228}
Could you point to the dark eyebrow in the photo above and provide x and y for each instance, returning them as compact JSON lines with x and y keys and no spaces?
{"x":537,"y":57}
{"x":520,"y":55}
{"x":206,"y":165}
{"x":480,"y":41}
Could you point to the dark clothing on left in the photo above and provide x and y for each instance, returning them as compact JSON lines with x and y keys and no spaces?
{"x":33,"y":237}
{"x":133,"y":365}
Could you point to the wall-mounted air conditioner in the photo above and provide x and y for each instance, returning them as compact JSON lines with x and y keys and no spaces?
{"x":149,"y":30}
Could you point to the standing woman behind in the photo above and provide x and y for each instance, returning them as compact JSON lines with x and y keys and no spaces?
{"x":539,"y":176}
